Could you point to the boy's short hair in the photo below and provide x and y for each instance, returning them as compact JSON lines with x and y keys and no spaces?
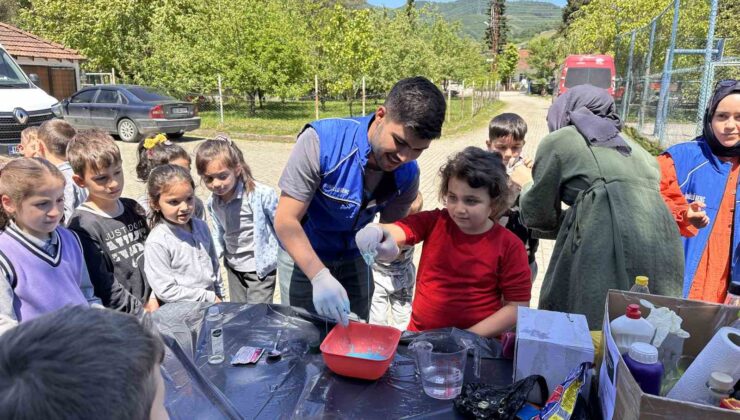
{"x":30,"y":133}
{"x":507,"y":124}
{"x":92,"y":149}
{"x":419,"y":105}
{"x":79,"y":362}
{"x":56,"y":135}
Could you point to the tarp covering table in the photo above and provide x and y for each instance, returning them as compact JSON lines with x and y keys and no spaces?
{"x":298,"y":385}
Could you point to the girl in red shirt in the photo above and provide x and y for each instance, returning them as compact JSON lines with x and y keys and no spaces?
{"x":473,"y":272}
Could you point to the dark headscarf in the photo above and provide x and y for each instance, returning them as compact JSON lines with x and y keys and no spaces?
{"x":724,"y":89}
{"x":592,"y":112}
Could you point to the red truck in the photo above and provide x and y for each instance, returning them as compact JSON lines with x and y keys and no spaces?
{"x":596,"y":70}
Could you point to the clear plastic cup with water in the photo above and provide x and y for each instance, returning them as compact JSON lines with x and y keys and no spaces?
{"x":440,"y":361}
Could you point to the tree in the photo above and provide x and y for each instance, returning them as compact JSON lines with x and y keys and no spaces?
{"x":507,"y":62}
{"x":349,"y":50}
{"x":595,"y":27}
{"x":245,"y":42}
{"x":570,"y":9}
{"x":501,"y":27}
{"x":545,"y":56}
{"x":8,"y":10}
{"x":110,"y":33}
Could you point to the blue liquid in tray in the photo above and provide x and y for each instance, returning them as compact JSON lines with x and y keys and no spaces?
{"x":366,"y":355}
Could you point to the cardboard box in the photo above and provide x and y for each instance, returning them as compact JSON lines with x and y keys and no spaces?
{"x":621,"y":398}
{"x":550,"y":344}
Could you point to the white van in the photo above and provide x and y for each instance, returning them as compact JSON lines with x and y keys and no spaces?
{"x":22,"y":103}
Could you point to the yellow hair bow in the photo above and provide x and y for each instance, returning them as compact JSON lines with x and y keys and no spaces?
{"x":153,"y":141}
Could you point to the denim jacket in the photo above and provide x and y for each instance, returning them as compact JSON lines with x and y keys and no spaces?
{"x":263,"y":202}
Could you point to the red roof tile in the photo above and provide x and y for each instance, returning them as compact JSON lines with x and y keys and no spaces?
{"x":20,"y":43}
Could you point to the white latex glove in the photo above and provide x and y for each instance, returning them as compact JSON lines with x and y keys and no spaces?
{"x":374,"y":239}
{"x":329,"y":297}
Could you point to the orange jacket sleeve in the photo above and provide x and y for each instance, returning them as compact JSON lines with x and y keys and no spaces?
{"x":673,"y":196}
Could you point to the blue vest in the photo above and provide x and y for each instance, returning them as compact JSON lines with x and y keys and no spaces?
{"x":339,"y":207}
{"x":703,"y":177}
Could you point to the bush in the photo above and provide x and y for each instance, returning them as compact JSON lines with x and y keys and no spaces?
{"x":652,"y":147}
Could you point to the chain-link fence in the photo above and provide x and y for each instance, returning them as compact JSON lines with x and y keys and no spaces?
{"x":666,"y":70}
{"x":263,"y":115}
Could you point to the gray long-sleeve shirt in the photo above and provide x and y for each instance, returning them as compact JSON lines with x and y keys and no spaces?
{"x":182,"y":265}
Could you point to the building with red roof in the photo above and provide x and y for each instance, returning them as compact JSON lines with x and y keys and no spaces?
{"x":57,"y":66}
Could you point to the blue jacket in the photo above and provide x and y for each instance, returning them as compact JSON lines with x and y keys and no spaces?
{"x":340,"y":206}
{"x":703,"y":177}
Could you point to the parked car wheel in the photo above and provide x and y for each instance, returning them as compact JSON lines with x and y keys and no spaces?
{"x":173,"y":136}
{"x":128,"y":131}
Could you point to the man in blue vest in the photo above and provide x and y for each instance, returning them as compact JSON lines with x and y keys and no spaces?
{"x":341,"y":173}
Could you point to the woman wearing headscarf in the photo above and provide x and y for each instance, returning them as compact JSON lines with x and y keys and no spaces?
{"x":616,"y":227}
{"x":699,"y":184}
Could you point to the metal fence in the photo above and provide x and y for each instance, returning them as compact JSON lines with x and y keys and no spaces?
{"x":667,"y":70}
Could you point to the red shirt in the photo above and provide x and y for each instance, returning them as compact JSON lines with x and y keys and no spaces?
{"x":463,"y":279}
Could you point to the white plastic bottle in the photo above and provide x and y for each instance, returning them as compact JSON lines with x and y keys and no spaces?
{"x":215,"y":324}
{"x":631,"y":328}
{"x":719,"y":386}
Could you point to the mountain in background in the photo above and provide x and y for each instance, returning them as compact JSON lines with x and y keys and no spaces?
{"x":525,"y":18}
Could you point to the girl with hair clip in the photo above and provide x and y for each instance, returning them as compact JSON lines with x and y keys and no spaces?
{"x":155,"y":151}
{"x":242,"y":216}
{"x":179,"y":257}
{"x":473,"y":272}
{"x":41,"y":264}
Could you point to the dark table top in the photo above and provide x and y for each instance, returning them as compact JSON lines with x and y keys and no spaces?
{"x":299,"y":385}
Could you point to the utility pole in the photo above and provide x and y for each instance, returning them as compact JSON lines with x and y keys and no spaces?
{"x":493,"y":26}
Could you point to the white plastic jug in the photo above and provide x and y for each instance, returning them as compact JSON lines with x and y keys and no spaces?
{"x":631,"y":328}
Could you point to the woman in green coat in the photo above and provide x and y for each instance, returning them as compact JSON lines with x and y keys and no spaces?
{"x":616,"y":226}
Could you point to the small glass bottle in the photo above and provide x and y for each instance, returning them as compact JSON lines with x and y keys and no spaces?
{"x":215,"y":323}
{"x":719,"y":386}
{"x":641,"y":285}
{"x":733,"y":294}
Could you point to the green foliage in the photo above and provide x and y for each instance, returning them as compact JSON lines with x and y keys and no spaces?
{"x":500,"y":28}
{"x":281,"y":121}
{"x":595,"y":26}
{"x":266,"y":47}
{"x":111,"y":33}
{"x":507,"y":61}
{"x":650,"y":146}
{"x":545,"y":56}
{"x":8,"y":10}
{"x":524,"y":19}
{"x":570,"y":11}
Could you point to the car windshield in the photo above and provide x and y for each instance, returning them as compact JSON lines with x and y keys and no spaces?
{"x":11,"y":76}
{"x":149,"y":94}
{"x":599,"y":77}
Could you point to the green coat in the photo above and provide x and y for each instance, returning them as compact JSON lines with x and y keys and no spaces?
{"x":617,"y":226}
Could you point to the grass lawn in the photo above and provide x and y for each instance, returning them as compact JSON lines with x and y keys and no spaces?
{"x":283,"y":120}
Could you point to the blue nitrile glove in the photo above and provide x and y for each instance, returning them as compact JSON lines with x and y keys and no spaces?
{"x":329,"y":297}
{"x":373,"y":239}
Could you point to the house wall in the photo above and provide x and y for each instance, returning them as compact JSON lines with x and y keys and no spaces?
{"x":59,"y":78}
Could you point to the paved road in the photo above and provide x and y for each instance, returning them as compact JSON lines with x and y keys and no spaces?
{"x":267,"y":160}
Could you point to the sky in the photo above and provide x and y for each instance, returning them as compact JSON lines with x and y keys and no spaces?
{"x":397,"y":3}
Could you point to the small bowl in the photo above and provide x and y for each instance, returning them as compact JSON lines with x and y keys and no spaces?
{"x":358,"y":338}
